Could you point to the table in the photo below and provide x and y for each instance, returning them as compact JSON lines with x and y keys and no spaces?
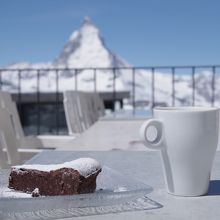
{"x":110,"y":134}
{"x":146,"y":167}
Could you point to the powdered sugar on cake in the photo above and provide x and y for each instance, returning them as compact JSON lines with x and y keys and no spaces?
{"x":85,"y":166}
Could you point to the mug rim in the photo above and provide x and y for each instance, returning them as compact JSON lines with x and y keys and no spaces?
{"x":186,"y":109}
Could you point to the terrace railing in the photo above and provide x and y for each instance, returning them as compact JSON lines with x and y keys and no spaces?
{"x":173,"y":70}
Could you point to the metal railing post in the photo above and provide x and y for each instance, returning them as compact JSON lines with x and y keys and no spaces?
{"x":213,"y":86}
{"x":152,"y":87}
{"x":38,"y":102}
{"x":114,"y":92}
{"x":193,"y":86}
{"x":95,"y":80}
{"x":133,"y":90}
{"x":0,"y":79}
{"x":76,"y":86}
{"x":19,"y":90}
{"x":173,"y":86}
{"x":57,"y":102}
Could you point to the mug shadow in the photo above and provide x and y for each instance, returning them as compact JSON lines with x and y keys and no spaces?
{"x":214,"y":188}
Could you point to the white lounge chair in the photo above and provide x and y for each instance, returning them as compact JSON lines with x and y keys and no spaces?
{"x":81,"y":110}
{"x":3,"y":153}
{"x":11,"y":153}
{"x":24,"y":141}
{"x":97,"y":105}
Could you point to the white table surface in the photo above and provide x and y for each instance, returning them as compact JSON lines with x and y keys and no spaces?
{"x":146,"y":167}
{"x":109,"y":134}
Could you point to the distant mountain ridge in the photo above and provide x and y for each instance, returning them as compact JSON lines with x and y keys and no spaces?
{"x":86,"y":48}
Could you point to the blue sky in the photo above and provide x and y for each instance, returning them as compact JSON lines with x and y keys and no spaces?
{"x":143,"y":32}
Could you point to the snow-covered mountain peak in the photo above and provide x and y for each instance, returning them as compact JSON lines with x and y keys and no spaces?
{"x":87,"y":28}
{"x":87,"y":21}
{"x":90,"y":35}
{"x":88,"y":24}
{"x":86,"y":48}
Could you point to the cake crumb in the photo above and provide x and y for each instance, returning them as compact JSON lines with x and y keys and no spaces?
{"x":35,"y":193}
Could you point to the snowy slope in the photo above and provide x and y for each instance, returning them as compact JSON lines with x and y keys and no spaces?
{"x":86,"y":49}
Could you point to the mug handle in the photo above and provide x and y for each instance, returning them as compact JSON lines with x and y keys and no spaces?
{"x":152,"y":134}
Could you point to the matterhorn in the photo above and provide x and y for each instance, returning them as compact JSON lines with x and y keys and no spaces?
{"x":86,"y":50}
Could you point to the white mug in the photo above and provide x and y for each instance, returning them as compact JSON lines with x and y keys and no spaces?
{"x":187,"y":138}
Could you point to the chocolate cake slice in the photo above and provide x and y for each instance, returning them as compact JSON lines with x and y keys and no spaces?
{"x":74,"y":177}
